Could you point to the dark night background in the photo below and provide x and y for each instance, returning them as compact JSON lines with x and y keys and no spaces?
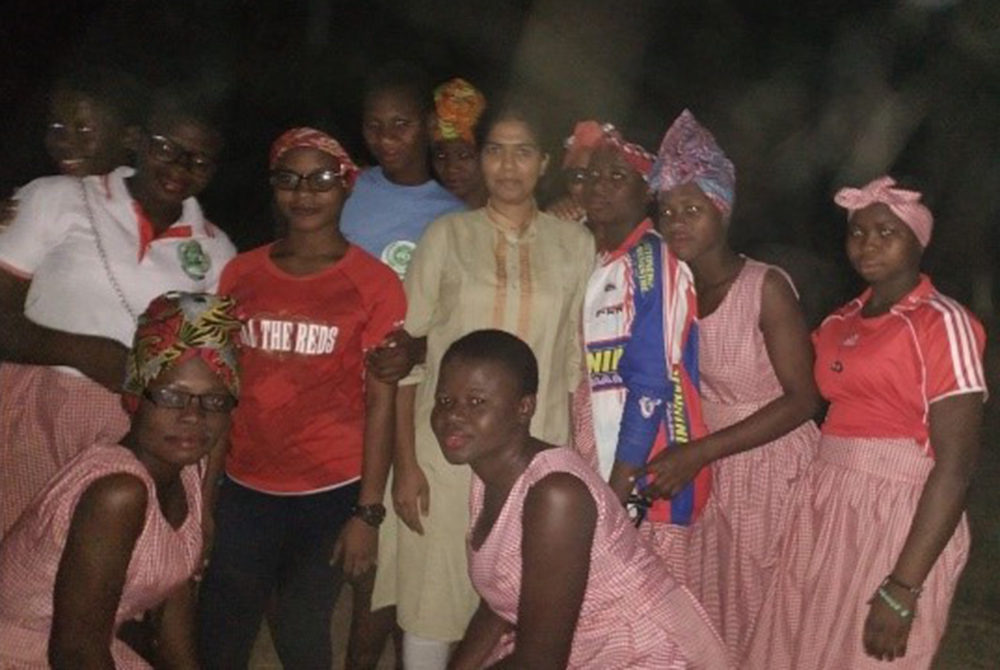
{"x":805,"y":97}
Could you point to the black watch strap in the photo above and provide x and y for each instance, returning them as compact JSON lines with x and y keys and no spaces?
{"x":373,"y":515}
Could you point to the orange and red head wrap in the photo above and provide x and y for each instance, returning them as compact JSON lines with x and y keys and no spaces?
{"x":457,"y":108}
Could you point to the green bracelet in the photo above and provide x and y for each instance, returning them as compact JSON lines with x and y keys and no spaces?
{"x":894,"y":604}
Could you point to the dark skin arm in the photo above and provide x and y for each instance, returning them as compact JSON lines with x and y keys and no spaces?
{"x":176,"y":647}
{"x":411,"y":494}
{"x":622,"y":479}
{"x":786,"y":337}
{"x":954,"y":431}
{"x":210,"y":490}
{"x":395,"y":356}
{"x":357,"y":545}
{"x":24,"y":341}
{"x":481,"y":637}
{"x":559,"y":520}
{"x":106,"y":524}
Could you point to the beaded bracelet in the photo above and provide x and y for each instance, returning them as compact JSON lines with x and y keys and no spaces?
{"x":894,"y":604}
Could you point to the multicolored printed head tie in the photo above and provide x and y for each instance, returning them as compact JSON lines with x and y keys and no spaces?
{"x":179,"y":326}
{"x":689,"y":154}
{"x":457,"y":108}
{"x":904,"y":204}
{"x":310,"y":138}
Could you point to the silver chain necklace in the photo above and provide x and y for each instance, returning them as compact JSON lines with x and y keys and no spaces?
{"x":104,"y":258}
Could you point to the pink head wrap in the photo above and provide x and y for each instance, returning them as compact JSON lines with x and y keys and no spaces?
{"x":310,"y":138}
{"x":457,"y":108}
{"x":904,"y":204}
{"x":690,"y":154}
{"x":591,"y":135}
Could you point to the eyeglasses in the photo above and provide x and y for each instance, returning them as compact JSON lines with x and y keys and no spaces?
{"x":165,"y":150}
{"x":615,"y":175}
{"x":318,"y":181}
{"x":167,"y":398}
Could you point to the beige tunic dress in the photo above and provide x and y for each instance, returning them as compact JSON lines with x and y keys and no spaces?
{"x":474,"y":270}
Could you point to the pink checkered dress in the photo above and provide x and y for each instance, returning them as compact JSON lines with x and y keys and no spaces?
{"x":163,"y":557}
{"x":634,"y":614}
{"x":48,"y":416}
{"x":733,"y":548}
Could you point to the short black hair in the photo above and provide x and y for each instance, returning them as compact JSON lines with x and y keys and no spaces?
{"x":502,"y":348}
{"x":405,"y":77}
{"x":122,"y":93}
{"x":188,"y":101}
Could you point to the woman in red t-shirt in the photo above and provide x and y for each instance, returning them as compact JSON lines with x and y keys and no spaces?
{"x":877,"y":526}
{"x":310,"y":447}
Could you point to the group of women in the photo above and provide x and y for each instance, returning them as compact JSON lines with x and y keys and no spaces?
{"x":414,"y":356}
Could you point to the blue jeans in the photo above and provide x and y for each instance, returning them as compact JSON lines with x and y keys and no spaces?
{"x":267,"y":543}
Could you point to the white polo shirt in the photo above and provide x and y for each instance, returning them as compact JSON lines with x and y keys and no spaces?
{"x":55,"y":242}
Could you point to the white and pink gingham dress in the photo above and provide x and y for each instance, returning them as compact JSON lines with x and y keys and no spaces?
{"x":733,"y":548}
{"x":634,"y":614}
{"x":162,"y":559}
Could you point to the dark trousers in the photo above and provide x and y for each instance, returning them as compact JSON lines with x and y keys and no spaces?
{"x":263,"y":544}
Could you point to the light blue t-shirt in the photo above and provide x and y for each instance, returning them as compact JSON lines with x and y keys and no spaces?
{"x":387,"y":219}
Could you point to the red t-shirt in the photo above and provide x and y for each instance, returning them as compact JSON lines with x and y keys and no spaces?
{"x":300,"y":422}
{"x":881,"y":374}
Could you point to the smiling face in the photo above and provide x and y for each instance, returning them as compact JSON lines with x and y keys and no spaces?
{"x":881,"y":247}
{"x":690,"y":223}
{"x":168,"y":439}
{"x":396,"y":132}
{"x":303,"y":207}
{"x":176,"y":161}
{"x":512,"y":162}
{"x":85,"y":136}
{"x":479,"y":410}
{"x":614,"y":192}
{"x":456,"y":163}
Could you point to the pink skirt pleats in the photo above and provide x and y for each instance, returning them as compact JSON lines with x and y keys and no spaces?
{"x":847,"y":522}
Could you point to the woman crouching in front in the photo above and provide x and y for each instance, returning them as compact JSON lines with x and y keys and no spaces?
{"x":118,"y":531}
{"x":564,"y":577}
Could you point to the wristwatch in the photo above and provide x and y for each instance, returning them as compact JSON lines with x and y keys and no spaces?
{"x":373,"y":515}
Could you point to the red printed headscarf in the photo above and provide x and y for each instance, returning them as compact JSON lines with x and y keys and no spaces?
{"x":590,"y":135}
{"x":310,"y":138}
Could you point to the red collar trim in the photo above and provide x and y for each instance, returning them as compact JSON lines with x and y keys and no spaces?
{"x":147,"y":233}
{"x":630,"y":241}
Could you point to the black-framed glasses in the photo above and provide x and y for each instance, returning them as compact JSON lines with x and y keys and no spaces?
{"x":168,"y":398}
{"x":317,"y":180}
{"x":164,"y":150}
